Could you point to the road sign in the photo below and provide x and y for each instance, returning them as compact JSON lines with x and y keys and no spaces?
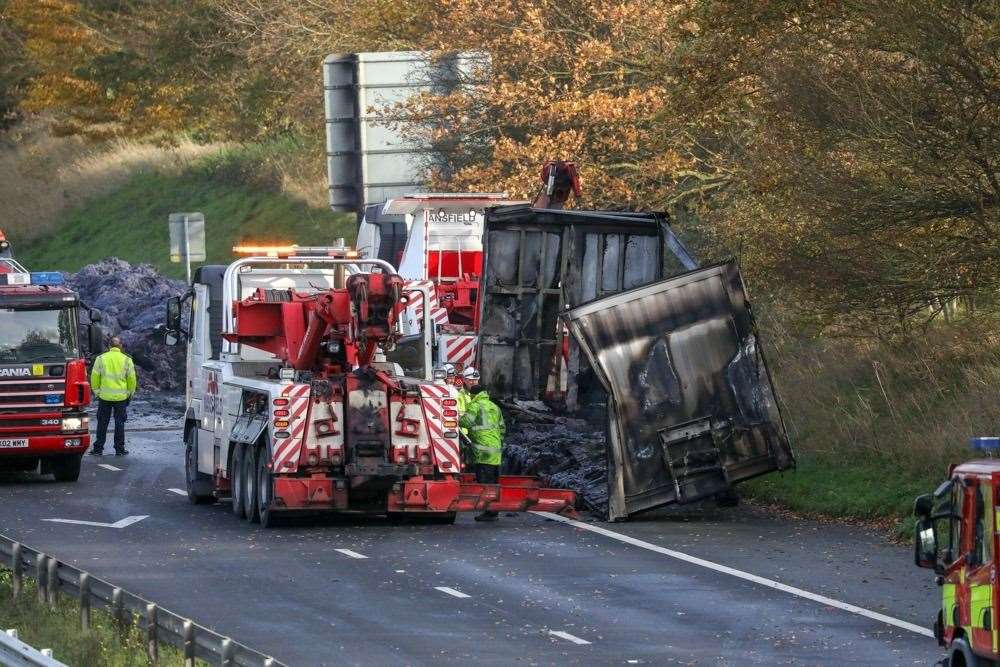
{"x":187,"y":239}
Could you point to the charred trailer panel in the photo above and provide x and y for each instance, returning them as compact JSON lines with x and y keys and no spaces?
{"x":539,"y":262}
{"x":692,"y":409}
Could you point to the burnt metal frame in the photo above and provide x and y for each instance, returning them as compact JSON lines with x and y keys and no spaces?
{"x":572,"y":227}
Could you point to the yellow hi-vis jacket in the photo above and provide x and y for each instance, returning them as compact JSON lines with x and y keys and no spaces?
{"x":113,"y":376}
{"x":486,"y":428}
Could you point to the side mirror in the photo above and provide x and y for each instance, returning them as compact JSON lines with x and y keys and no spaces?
{"x":174,"y":314}
{"x":923,"y":505}
{"x":95,"y":316}
{"x":95,"y":339}
{"x":925,"y":544}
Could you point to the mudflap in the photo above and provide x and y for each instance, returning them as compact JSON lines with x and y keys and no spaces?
{"x":463,"y":493}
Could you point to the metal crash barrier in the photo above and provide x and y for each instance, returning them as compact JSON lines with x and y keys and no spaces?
{"x":158,"y":625}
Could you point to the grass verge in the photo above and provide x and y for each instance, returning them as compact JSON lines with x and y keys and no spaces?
{"x":868,"y":491}
{"x":239,"y":190}
{"x":58,"y":628}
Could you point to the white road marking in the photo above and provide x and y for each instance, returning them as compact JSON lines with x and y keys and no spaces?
{"x":400,"y":571}
{"x":568,"y":637}
{"x":352,"y":554}
{"x":179,"y":492}
{"x":451,"y":591}
{"x":108,"y":466}
{"x":777,"y":585}
{"x":121,"y":523}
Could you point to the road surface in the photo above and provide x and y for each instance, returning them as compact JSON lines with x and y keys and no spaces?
{"x":714,"y":587}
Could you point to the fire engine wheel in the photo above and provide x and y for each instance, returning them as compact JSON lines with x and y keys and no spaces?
{"x":250,"y":507}
{"x":66,"y":468}
{"x":960,"y":655}
{"x":236,"y":480}
{"x":267,"y":516}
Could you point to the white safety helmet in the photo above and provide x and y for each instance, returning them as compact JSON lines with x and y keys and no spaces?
{"x":470,"y":373}
{"x":449,"y":369}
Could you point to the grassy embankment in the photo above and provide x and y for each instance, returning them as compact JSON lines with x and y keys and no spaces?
{"x":876,"y":424}
{"x":59,"y":629}
{"x":242,"y":191}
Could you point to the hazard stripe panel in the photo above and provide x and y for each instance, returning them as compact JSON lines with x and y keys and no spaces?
{"x":446,"y":450}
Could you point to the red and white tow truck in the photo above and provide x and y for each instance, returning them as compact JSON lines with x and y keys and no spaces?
{"x":292,"y":405}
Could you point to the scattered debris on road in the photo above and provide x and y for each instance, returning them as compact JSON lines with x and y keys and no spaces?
{"x":132,"y":299}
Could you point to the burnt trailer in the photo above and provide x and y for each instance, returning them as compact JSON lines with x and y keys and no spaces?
{"x":537,"y":263}
{"x":583,"y":308}
{"x":692,"y":408}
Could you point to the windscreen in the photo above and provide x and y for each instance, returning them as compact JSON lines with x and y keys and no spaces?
{"x":37,"y":335}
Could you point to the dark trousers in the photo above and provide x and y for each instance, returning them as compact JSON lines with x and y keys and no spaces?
{"x":487,"y":474}
{"x":104,"y":412}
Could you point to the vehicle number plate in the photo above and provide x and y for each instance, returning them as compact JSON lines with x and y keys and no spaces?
{"x":15,"y":443}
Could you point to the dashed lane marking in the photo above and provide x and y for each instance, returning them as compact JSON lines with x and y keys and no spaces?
{"x":179,"y":492}
{"x":746,"y":576}
{"x":451,"y":591}
{"x":108,"y":466}
{"x":121,"y":523}
{"x":352,"y":554}
{"x":568,"y":637}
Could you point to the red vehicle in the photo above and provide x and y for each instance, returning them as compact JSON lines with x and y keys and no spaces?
{"x":956,"y":536}
{"x":294,"y":407}
{"x":43,"y":375}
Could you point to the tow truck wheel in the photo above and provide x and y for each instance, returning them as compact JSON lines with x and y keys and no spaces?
{"x":265,"y":491}
{"x":960,"y":655}
{"x":199,"y":486}
{"x":67,"y":468}
{"x":250,"y":507}
{"x":236,"y":480}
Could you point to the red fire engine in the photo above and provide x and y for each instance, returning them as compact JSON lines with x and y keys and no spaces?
{"x":43,"y":375}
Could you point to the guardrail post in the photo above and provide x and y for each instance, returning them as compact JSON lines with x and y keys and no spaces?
{"x":117,"y":610}
{"x":151,"y":648}
{"x":52,"y":581}
{"x":16,"y":569}
{"x":227,"y":653}
{"x":85,"y":603}
{"x":40,"y":576}
{"x":189,"y":643}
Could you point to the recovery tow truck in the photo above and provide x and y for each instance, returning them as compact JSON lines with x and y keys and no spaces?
{"x":292,"y":407}
{"x":956,"y":536}
{"x":43,"y":375}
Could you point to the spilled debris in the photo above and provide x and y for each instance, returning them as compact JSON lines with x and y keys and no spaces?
{"x":563,"y":452}
{"x":132,"y":301}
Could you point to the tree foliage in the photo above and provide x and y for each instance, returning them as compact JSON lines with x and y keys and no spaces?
{"x":846,"y":151}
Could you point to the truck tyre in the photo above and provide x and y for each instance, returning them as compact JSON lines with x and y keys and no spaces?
{"x":265,"y":492}
{"x":960,"y":655}
{"x":250,"y":507}
{"x":198,"y":484}
{"x":236,"y":480}
{"x":67,"y":468}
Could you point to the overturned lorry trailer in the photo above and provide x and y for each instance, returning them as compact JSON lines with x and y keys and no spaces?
{"x":690,"y":403}
{"x":692,"y":409}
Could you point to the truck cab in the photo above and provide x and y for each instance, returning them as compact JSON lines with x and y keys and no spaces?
{"x":43,"y":375}
{"x":956,"y":536}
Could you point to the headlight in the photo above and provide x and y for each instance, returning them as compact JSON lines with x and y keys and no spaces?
{"x":75,"y":423}
{"x":439,"y":373}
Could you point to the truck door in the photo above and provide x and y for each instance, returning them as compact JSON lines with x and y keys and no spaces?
{"x":981,"y":570}
{"x":967,"y":598}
